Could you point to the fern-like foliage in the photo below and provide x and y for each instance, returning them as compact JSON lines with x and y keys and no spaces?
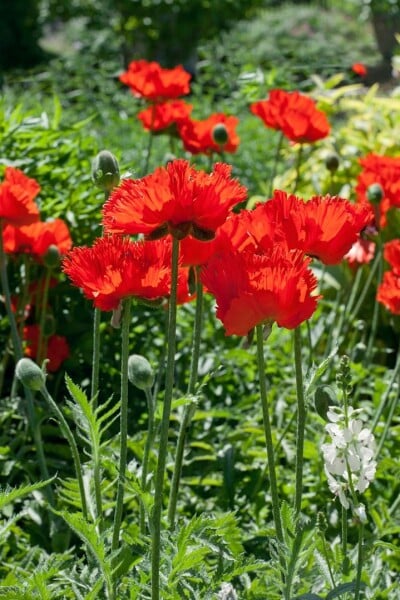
{"x":10,"y":495}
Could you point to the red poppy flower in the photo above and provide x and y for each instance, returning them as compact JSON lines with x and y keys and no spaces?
{"x":150,"y":81}
{"x":57,"y":347}
{"x":176,"y":198}
{"x":17,"y":194}
{"x":385,"y":171}
{"x":325,"y":227}
{"x":35,"y":239}
{"x":361,"y":253}
{"x":161,"y":116}
{"x":294,"y":114}
{"x":389,"y":292}
{"x":115,"y":268}
{"x":391,"y":253}
{"x":198,"y":136}
{"x":359,"y":69}
{"x":252,"y":289}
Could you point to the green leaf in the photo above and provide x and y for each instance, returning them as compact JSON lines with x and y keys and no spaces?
{"x":341,"y":589}
{"x":11,"y":494}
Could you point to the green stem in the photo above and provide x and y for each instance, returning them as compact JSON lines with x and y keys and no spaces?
{"x":146,"y":453}
{"x":41,"y":349}
{"x":275,"y":164}
{"x":96,"y":357}
{"x":162,"y":450}
{"x":150,"y":142}
{"x":298,"y":164}
{"x":327,"y":560}
{"x":18,"y":353}
{"x":301,"y":420}
{"x":382,"y":404}
{"x":374,"y":323}
{"x":345,"y":566}
{"x":268,"y":434}
{"x":66,"y":431}
{"x":126,"y":319}
{"x":359,"y":562}
{"x":368,"y":282}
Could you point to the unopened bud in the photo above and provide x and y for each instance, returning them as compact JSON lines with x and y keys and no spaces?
{"x":375,"y":193}
{"x":30,"y":374}
{"x":105,"y":171}
{"x":220,"y":134}
{"x":332,"y":162}
{"x":51,"y":259}
{"x":140,"y":372}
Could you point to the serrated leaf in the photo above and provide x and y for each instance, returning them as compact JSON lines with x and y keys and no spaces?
{"x":11,"y":494}
{"x":343,"y":588}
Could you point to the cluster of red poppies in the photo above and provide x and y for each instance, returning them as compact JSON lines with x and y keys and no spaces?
{"x":24,"y":234}
{"x":295,"y":114}
{"x":255,"y":263}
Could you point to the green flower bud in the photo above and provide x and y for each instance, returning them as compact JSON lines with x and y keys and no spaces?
{"x":140,"y":372}
{"x":105,"y":171}
{"x":51,"y":259}
{"x":30,"y":374}
{"x":332,"y":162}
{"x":375,"y":193}
{"x":220,"y":134}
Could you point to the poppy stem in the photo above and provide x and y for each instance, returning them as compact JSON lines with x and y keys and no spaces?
{"x":163,"y":443}
{"x":268,"y":434}
{"x":66,"y":431}
{"x":42,"y":342}
{"x":146,"y":454}
{"x":298,"y":164}
{"x":18,"y":354}
{"x":190,"y":407}
{"x":301,"y":419}
{"x":96,"y":357}
{"x":150,"y":142}
{"x":275,"y":163}
{"x":126,"y":319}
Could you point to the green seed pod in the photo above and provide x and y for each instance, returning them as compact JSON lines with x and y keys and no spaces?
{"x":375,"y":193}
{"x":51,"y":259}
{"x":140,"y":372}
{"x":220,"y":134}
{"x":30,"y":374}
{"x":332,"y":162}
{"x":105,"y":171}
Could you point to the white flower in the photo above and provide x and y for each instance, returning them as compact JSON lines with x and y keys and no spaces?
{"x":349,"y":457}
{"x":227,"y":592}
{"x":359,"y":511}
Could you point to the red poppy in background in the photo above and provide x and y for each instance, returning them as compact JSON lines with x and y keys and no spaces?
{"x":36,"y":238}
{"x":391,"y":253}
{"x":161,"y":116}
{"x":57,"y":347}
{"x":252,"y":289}
{"x":151,"y":81}
{"x":325,"y":227}
{"x":198,"y":136}
{"x":115,"y":268}
{"x":389,"y":292}
{"x":361,"y":253}
{"x":177,"y":199}
{"x":294,"y":114}
{"x":359,"y":69}
{"x":17,"y":194}
{"x":384,"y":171}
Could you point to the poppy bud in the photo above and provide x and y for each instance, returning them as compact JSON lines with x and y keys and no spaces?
{"x":51,"y":259}
{"x":105,"y":171}
{"x":140,"y":372}
{"x":30,"y":374}
{"x":220,"y":134}
{"x":332,"y":162}
{"x":375,"y":193}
